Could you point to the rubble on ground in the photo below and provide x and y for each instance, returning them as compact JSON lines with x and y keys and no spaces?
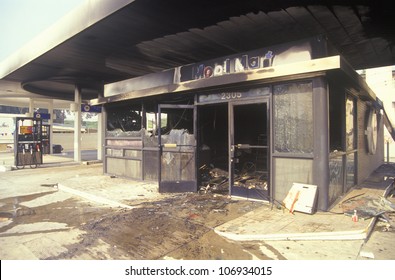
{"x":216,"y":180}
{"x":366,"y":207}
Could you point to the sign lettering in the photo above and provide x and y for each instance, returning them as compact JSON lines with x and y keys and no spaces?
{"x":234,"y":65}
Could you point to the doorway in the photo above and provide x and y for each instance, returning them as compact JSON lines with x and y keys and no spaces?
{"x":233,"y":149}
{"x":249,"y":150}
{"x":177,"y":148}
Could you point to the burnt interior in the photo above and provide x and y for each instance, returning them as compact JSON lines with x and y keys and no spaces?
{"x":249,"y":158}
{"x":213,"y":136}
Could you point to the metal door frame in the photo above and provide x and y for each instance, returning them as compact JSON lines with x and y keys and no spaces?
{"x":176,"y":186}
{"x":231,"y":140}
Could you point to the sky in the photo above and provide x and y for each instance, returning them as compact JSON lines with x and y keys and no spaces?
{"x":22,"y":20}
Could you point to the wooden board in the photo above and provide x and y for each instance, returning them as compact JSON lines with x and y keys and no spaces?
{"x":302,"y":198}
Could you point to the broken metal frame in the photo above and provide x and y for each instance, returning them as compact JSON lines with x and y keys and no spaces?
{"x":234,"y":146}
{"x":176,"y":185}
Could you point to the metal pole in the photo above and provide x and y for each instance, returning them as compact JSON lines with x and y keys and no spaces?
{"x":50,"y":122}
{"x":31,"y":107}
{"x":388,"y":151}
{"x":77,"y":124}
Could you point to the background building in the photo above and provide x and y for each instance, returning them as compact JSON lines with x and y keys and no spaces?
{"x":381,"y":81}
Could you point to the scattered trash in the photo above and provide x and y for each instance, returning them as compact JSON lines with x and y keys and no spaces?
{"x":193,"y":216}
{"x":220,"y":210}
{"x":368,"y":207}
{"x":24,"y":212}
{"x":216,"y":180}
{"x":355,"y":216}
{"x":368,"y":255}
{"x":4,"y":219}
{"x":50,"y":185}
{"x":4,"y":216}
{"x":5,"y":168}
{"x":18,"y":212}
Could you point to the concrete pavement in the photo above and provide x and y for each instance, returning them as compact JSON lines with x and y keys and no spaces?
{"x":323,"y":235}
{"x":282,"y":225}
{"x":32,"y":199}
{"x":74,"y":188}
{"x":7,"y":159}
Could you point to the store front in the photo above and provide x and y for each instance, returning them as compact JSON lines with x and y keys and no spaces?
{"x":234,"y":134}
{"x":248,"y":125}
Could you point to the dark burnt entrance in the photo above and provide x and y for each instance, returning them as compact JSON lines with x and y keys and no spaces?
{"x":233,"y":148}
{"x":249,"y":150}
{"x":213,"y":151}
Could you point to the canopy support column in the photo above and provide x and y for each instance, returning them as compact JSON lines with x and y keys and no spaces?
{"x":77,"y":124}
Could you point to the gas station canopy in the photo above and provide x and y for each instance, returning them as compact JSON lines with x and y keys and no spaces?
{"x":106,"y":41}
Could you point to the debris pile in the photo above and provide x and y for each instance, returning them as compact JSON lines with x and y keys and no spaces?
{"x":216,"y":180}
{"x":367,"y":207}
{"x":255,"y":180}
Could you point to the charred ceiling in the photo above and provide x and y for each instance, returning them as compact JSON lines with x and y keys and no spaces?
{"x":148,"y":36}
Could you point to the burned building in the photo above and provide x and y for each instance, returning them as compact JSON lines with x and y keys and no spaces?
{"x":249,"y":124}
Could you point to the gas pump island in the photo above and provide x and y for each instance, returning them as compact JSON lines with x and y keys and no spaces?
{"x":28,"y":142}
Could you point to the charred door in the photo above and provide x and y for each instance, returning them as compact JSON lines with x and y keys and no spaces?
{"x":177,"y":144}
{"x":249,"y":150}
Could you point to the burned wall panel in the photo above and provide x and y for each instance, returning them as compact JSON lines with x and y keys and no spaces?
{"x":116,"y":166}
{"x":150,"y":162}
{"x":288,"y":171}
{"x":133,"y":169}
{"x":124,"y":168}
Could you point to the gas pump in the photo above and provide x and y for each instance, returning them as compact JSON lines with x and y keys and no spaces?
{"x":28,"y":142}
{"x":45,"y":139}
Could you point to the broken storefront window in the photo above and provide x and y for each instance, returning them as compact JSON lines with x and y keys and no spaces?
{"x":293,"y":118}
{"x":123,"y":122}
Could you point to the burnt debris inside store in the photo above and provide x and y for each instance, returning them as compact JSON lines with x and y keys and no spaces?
{"x":248,"y":153}
{"x":248,"y":125}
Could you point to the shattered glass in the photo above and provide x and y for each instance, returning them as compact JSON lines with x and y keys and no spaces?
{"x":149,"y":139}
{"x":123,"y":121}
{"x":293,"y":118}
{"x":120,"y":133}
{"x":367,"y":207}
{"x":350,"y":125}
{"x":336,"y":177}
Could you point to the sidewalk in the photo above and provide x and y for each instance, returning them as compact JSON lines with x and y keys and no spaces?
{"x":270,"y":223}
{"x":275,"y":232}
{"x":7,"y":162}
{"x":88,"y":183}
{"x":265,"y":223}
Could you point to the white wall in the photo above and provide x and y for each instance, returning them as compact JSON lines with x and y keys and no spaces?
{"x":381,"y":82}
{"x":89,"y":141}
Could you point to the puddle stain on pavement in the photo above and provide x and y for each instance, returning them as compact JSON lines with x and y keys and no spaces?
{"x":179,"y":226}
